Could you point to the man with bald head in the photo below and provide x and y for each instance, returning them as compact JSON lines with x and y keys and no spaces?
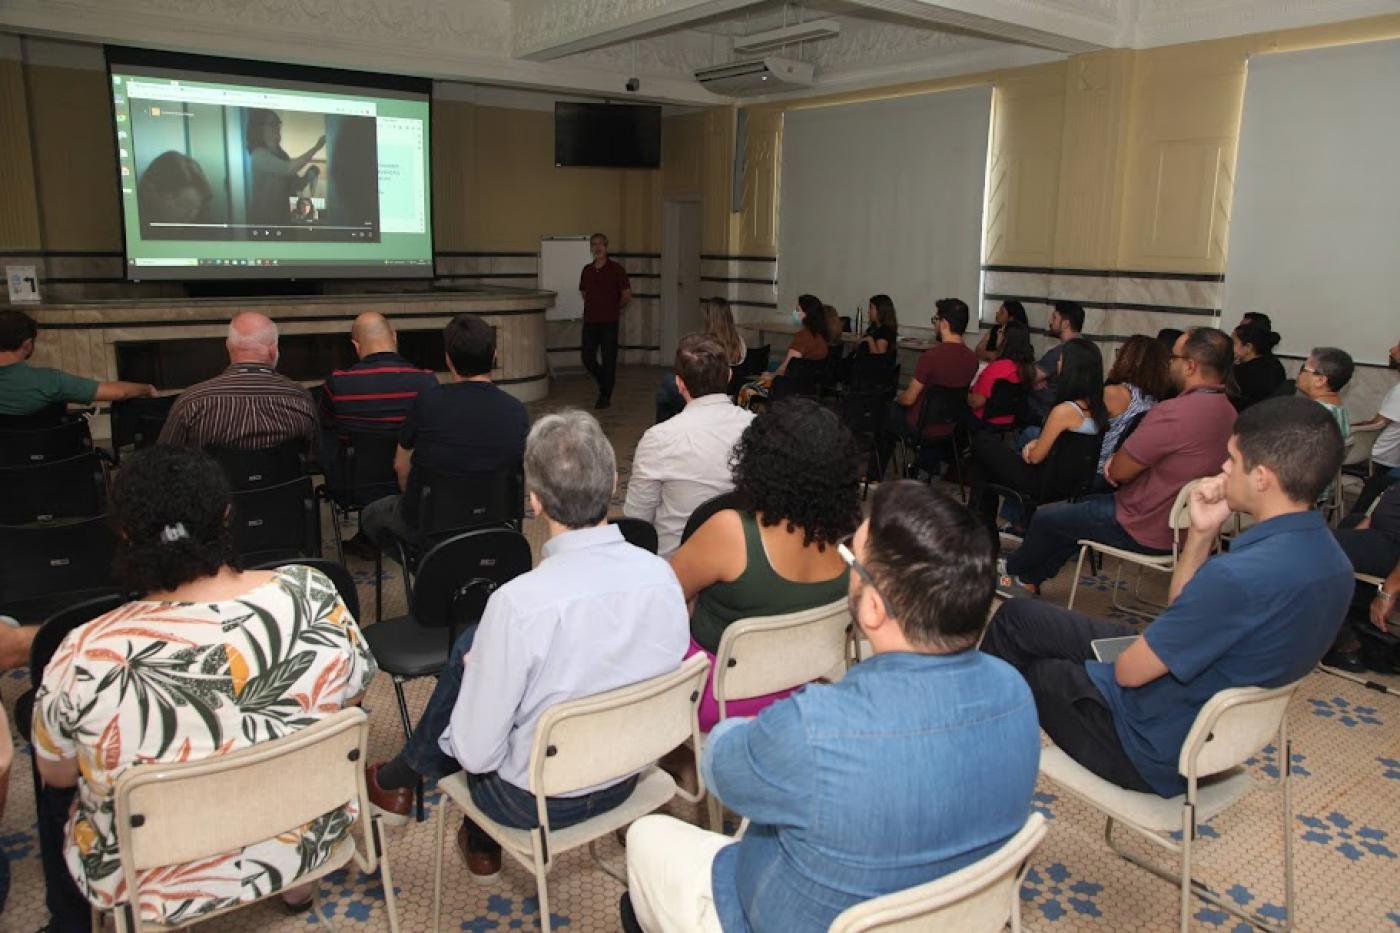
{"x":376,"y":393}
{"x":248,"y":406}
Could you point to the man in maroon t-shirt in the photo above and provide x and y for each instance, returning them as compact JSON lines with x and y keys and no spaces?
{"x":606,"y":291}
{"x":951,"y":364}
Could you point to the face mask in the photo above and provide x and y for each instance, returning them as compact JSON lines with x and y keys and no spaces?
{"x":797,"y":318}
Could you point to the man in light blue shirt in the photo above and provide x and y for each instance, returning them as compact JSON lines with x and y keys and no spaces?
{"x":595,"y":615}
{"x":919,"y":762}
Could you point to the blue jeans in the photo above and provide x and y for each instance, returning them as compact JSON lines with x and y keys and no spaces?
{"x":499,"y":799}
{"x":1054,"y":534}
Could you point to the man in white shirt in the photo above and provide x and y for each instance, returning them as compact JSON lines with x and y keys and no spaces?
{"x":1385,"y":455}
{"x":596,"y":614}
{"x":684,"y":461}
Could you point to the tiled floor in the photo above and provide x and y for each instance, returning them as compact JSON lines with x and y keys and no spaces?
{"x":1346,"y":829}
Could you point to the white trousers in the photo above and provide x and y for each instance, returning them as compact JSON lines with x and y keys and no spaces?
{"x":668,"y":875}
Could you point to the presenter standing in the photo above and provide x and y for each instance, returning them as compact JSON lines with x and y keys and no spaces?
{"x":606,"y":291}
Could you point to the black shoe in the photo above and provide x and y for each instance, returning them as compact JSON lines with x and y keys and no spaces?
{"x":603,"y":402}
{"x":361,"y":546}
{"x":628,"y":915}
{"x":1345,"y":660}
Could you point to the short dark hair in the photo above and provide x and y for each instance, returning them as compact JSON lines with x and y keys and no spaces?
{"x":15,"y":328}
{"x":169,"y":508}
{"x":1211,"y":348}
{"x":1257,"y":335}
{"x":933,"y":562}
{"x":1297,"y":439}
{"x":598,"y":236}
{"x":471,"y":345}
{"x":797,"y":465}
{"x":702,"y":365}
{"x":1167,"y":337}
{"x":1073,"y":312}
{"x":1335,"y":365}
{"x":1257,"y":317}
{"x":954,"y":312}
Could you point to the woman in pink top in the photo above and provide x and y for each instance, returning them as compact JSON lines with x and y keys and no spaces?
{"x":1015,"y":363}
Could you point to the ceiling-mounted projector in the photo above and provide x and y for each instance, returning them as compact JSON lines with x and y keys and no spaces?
{"x":767,"y":75}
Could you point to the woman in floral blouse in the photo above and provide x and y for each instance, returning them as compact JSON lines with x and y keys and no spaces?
{"x":213,"y":659}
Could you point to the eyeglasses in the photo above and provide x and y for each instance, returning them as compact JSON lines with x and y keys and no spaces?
{"x":843,"y":547}
{"x":1309,"y":370}
{"x":1180,"y":356}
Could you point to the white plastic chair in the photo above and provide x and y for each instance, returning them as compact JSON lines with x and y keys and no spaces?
{"x":584,"y":743}
{"x":1179,"y":520}
{"x":768,"y":654}
{"x":1234,"y":725}
{"x":980,"y":898}
{"x":172,"y":814}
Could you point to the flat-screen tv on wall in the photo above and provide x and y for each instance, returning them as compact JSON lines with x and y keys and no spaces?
{"x":607,"y":135}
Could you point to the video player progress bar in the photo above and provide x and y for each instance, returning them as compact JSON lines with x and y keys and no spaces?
{"x":256,"y":226}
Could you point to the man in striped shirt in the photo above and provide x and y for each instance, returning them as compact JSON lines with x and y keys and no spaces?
{"x":248,"y":406}
{"x":376,"y":393}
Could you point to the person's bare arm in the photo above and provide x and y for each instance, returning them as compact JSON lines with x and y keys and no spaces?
{"x":301,"y":161}
{"x":403,"y":463}
{"x":1059,"y":421}
{"x":61,"y":773}
{"x":1122,"y":469}
{"x":714,"y":553}
{"x":1209,"y":511}
{"x":15,"y":642}
{"x":911,"y":393}
{"x":117,"y":391}
{"x":7,"y":757}
{"x":1384,"y":602}
{"x":1138,"y":665}
{"x":626,"y":298}
{"x":791,"y":355}
{"x":985,"y":354}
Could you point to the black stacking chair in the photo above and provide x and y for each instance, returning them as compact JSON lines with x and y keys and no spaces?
{"x":46,"y":417}
{"x":337,"y":572}
{"x":66,"y":439}
{"x":260,"y":468}
{"x":276,"y":522}
{"x":1007,"y":398}
{"x":455,"y":579}
{"x":803,"y":377}
{"x":53,"y":491}
{"x":708,"y":509}
{"x":755,"y":361}
{"x":637,"y":532}
{"x":1066,"y":474}
{"x":51,"y":633}
{"x":365,"y":472}
{"x":137,"y":422}
{"x":47,"y":567}
{"x":874,"y":382}
{"x":938,"y":405}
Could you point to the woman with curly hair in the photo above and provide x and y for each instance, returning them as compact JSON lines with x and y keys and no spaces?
{"x":208,"y":660}
{"x":796,"y":469}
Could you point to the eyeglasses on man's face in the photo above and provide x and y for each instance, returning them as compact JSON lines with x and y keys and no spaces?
{"x":846,"y":548}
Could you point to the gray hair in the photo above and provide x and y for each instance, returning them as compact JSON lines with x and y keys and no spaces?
{"x":1334,"y":365}
{"x":570,"y":466}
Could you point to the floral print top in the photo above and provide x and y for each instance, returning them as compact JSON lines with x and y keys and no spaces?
{"x":171,"y":682}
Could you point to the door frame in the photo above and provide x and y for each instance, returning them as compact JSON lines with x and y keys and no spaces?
{"x":668,"y":333}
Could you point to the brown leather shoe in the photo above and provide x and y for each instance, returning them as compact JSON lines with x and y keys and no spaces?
{"x":393,"y":805}
{"x":485,"y":867}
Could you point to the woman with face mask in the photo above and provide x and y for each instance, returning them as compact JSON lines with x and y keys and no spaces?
{"x":809,"y":343}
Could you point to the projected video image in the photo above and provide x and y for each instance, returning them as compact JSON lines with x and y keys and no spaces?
{"x":221,"y":172}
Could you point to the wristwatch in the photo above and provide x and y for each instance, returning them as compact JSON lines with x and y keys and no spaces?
{"x":1382,"y":594}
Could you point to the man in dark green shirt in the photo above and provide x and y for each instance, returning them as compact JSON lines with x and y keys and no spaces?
{"x":26,"y":389}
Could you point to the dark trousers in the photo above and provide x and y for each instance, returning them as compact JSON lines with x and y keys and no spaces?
{"x":1054,"y":532}
{"x":997,"y":464}
{"x":499,"y":799}
{"x":1049,"y":646}
{"x":602,"y":337}
{"x":68,"y":908}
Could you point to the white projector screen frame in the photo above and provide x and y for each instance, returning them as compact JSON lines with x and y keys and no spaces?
{"x":885,"y":196}
{"x":1316,"y":217}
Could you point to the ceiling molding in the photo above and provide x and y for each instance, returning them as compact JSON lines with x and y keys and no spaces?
{"x":1169,"y":22}
{"x":544,"y":30}
{"x":1070,"y":26}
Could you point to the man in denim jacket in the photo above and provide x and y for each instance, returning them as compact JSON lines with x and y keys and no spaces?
{"x":919,"y":762}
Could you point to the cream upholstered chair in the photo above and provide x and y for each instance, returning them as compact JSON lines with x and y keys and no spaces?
{"x":584,"y":743}
{"x":980,"y":898}
{"x":168,"y":814}
{"x":768,"y":654}
{"x":1179,"y":520}
{"x":1234,"y":725}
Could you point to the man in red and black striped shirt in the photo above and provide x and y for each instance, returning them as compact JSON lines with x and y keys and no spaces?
{"x":376,"y":393}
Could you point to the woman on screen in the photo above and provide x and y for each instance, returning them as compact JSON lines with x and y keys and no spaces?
{"x":173,"y":190}
{"x":305,"y":212}
{"x":276,"y":175}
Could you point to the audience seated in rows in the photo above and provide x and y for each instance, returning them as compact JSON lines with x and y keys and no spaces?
{"x":1371,"y":541}
{"x":1008,"y":312}
{"x":208,"y":660}
{"x":881,"y":337}
{"x":465,"y":425}
{"x":249,"y":406}
{"x":1177,"y":441}
{"x":1015,"y":364}
{"x":1140,"y":378}
{"x":811,"y":342}
{"x":919,"y":762}
{"x":1322,"y":377}
{"x":685,"y":461}
{"x":948,"y":364}
{"x":1385,"y":454}
{"x":1065,"y":323}
{"x":1260,"y":615}
{"x":718,"y":322}
{"x":1079,"y":409}
{"x":795,"y":469}
{"x":28,"y":390}
{"x":594,"y":615}
{"x":1258,"y":373}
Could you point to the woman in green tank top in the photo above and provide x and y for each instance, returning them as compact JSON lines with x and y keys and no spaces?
{"x":797,"y":470}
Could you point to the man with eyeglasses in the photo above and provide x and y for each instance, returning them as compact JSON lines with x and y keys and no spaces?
{"x":919,"y":762}
{"x":948,"y":364}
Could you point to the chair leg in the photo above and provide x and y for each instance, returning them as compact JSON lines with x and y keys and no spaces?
{"x":437,"y":863}
{"x":1188,"y":832}
{"x":1289,"y":904}
{"x":1078,"y":572}
{"x":339,"y":535}
{"x":386,"y":877}
{"x":378,"y":585}
{"x":316,"y":907}
{"x":541,"y":880}
{"x":714,"y":812}
{"x":608,"y":870}
{"x":408,"y":734}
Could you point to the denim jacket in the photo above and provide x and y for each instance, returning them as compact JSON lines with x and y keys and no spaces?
{"x":909,"y":768}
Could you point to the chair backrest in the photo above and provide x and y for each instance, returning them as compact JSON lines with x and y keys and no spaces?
{"x":708,"y":510}
{"x":1180,"y":517}
{"x":263,"y":467}
{"x":42,"y":561}
{"x":46,"y":417}
{"x":1363,"y":439}
{"x":1232,"y":726}
{"x":590,"y":741}
{"x":874,"y":371}
{"x":637,"y":532}
{"x":174,"y":814}
{"x":52,"y":491}
{"x":45,"y":445}
{"x":803,"y":377}
{"x":766,"y":654}
{"x":439,"y":503}
{"x":977,"y":899}
{"x":1007,"y":398}
{"x":756,"y":360}
{"x":366,"y":468}
{"x":277,"y":521}
{"x":137,"y":421}
{"x":334,"y":570}
{"x":57,"y":626}
{"x":456,"y":577}
{"x":1070,"y":469}
{"x":941,"y":405}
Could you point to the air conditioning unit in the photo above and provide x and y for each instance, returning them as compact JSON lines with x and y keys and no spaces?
{"x":768,"y":75}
